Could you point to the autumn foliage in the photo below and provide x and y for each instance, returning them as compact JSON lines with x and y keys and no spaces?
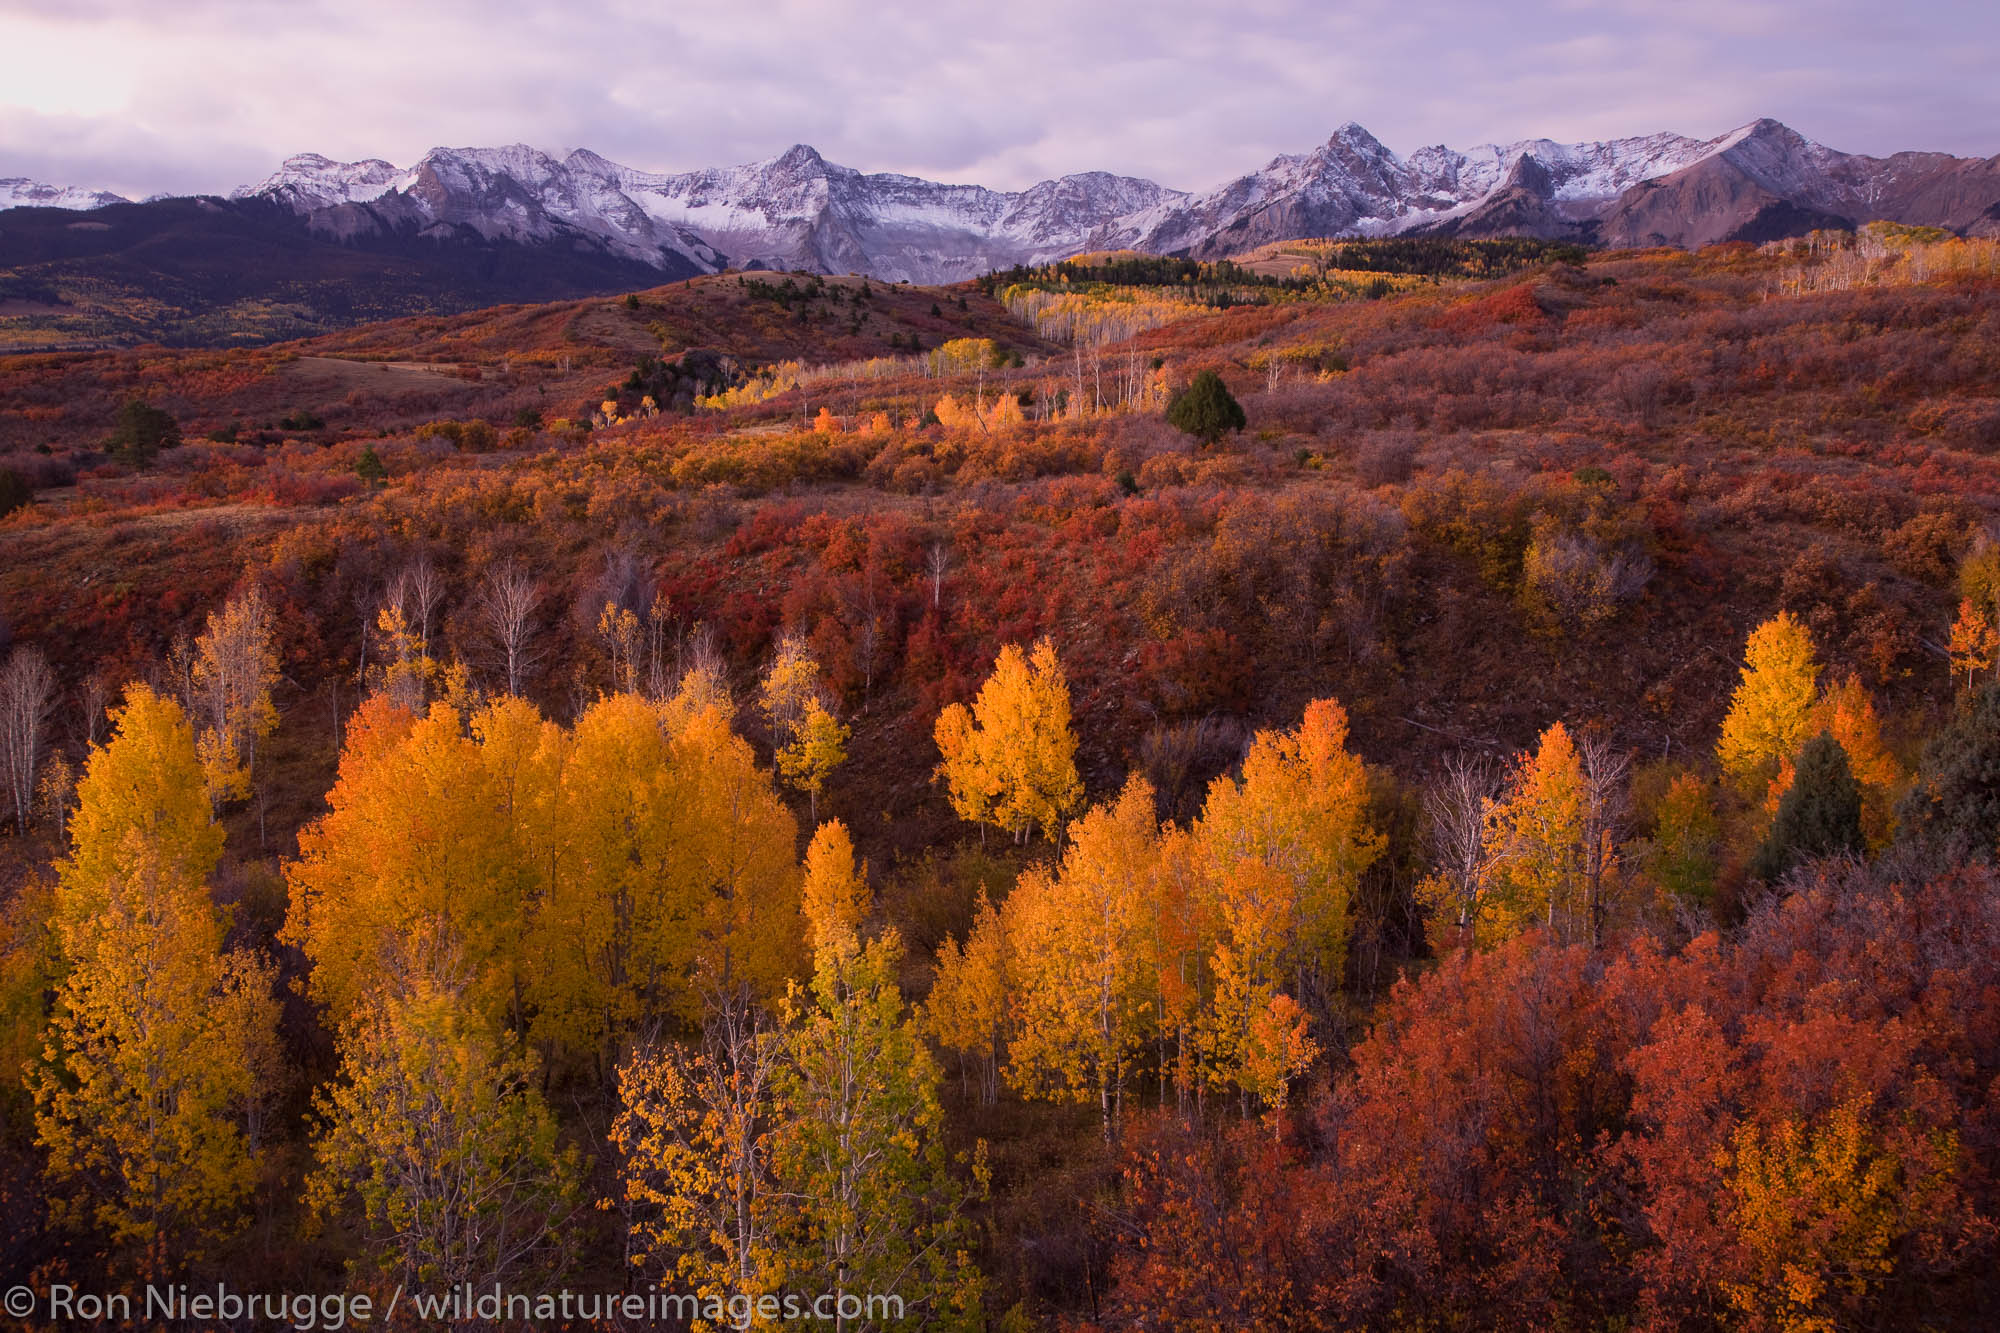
{"x":1501,"y":836}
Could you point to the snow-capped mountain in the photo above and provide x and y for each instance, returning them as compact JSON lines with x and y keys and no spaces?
{"x":1766,"y":180}
{"x":798,"y":211}
{"x":20,"y":192}
{"x":792,"y":211}
{"x":308,"y":182}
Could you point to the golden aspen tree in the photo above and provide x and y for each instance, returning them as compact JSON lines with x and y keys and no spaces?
{"x":634,"y":860}
{"x":1300,"y":810}
{"x":407,"y":677}
{"x":1686,"y":836}
{"x":148,"y":1049}
{"x":858,"y":1150}
{"x":970,"y":781}
{"x":1076,"y":957}
{"x":56,"y":790}
{"x":693,"y":1138}
{"x":1974,"y":641}
{"x":1181,"y":927}
{"x":619,"y":628}
{"x":731,"y":841}
{"x":1010,"y":760}
{"x":1538,"y":828}
{"x":613,"y":932}
{"x":1770,"y":716}
{"x":966,"y":1011}
{"x":835,"y":898}
{"x":30,"y":967}
{"x":818,"y":749}
{"x":790,"y":683}
{"x":1259,"y":903}
{"x":235,"y":666}
{"x":436,"y":1142}
{"x":1277,"y":1049}
{"x":807,"y":741}
{"x":1005,"y":413}
{"x":1818,"y":1207}
{"x":423,"y":838}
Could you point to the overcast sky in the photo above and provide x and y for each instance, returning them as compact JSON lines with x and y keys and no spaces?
{"x":140,"y":96}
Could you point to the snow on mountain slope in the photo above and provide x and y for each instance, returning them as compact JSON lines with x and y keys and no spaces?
{"x":308,"y":181}
{"x":797,"y":210}
{"x":20,"y":192}
{"x":1766,"y":180}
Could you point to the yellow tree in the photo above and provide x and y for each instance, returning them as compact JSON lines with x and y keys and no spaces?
{"x":732,"y":842}
{"x":835,"y":898}
{"x":1259,"y":904}
{"x":1181,"y":928}
{"x":1820,"y":1208}
{"x":693,"y":1142}
{"x":807,"y":739}
{"x":149,"y":1048}
{"x":426,"y":837}
{"x":1538,"y":830}
{"x":1974,"y":640}
{"x":1277,"y":1049}
{"x":967,"y":1008}
{"x":790,"y":684}
{"x":1076,"y":958}
{"x":1010,"y":760}
{"x":808,"y":759}
{"x":869,"y":1201}
{"x":30,"y":967}
{"x":235,"y":666}
{"x":436,"y":1140}
{"x":408,"y":675}
{"x":1770,"y":716}
{"x":612,"y":931}
{"x":1301,"y":812}
{"x":665,"y":871}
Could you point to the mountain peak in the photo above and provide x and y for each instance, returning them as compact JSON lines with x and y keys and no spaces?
{"x":20,"y":192}
{"x":1354,"y":135}
{"x":797,"y":210}
{"x":799,"y":156}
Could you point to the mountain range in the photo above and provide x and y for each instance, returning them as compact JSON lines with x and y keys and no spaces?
{"x":533,"y":226}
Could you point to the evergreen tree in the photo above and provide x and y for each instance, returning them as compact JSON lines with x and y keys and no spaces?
{"x":15,"y":493}
{"x":369,"y":466}
{"x":1206,"y":410}
{"x":1955,"y":805}
{"x":141,"y":431}
{"x":1820,"y":815}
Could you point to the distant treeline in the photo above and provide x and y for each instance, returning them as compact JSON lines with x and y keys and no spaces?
{"x":1417,"y":256}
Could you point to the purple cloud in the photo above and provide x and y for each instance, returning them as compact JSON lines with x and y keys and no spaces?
{"x":210,"y":94}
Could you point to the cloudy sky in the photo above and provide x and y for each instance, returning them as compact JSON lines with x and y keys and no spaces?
{"x":140,"y":96}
